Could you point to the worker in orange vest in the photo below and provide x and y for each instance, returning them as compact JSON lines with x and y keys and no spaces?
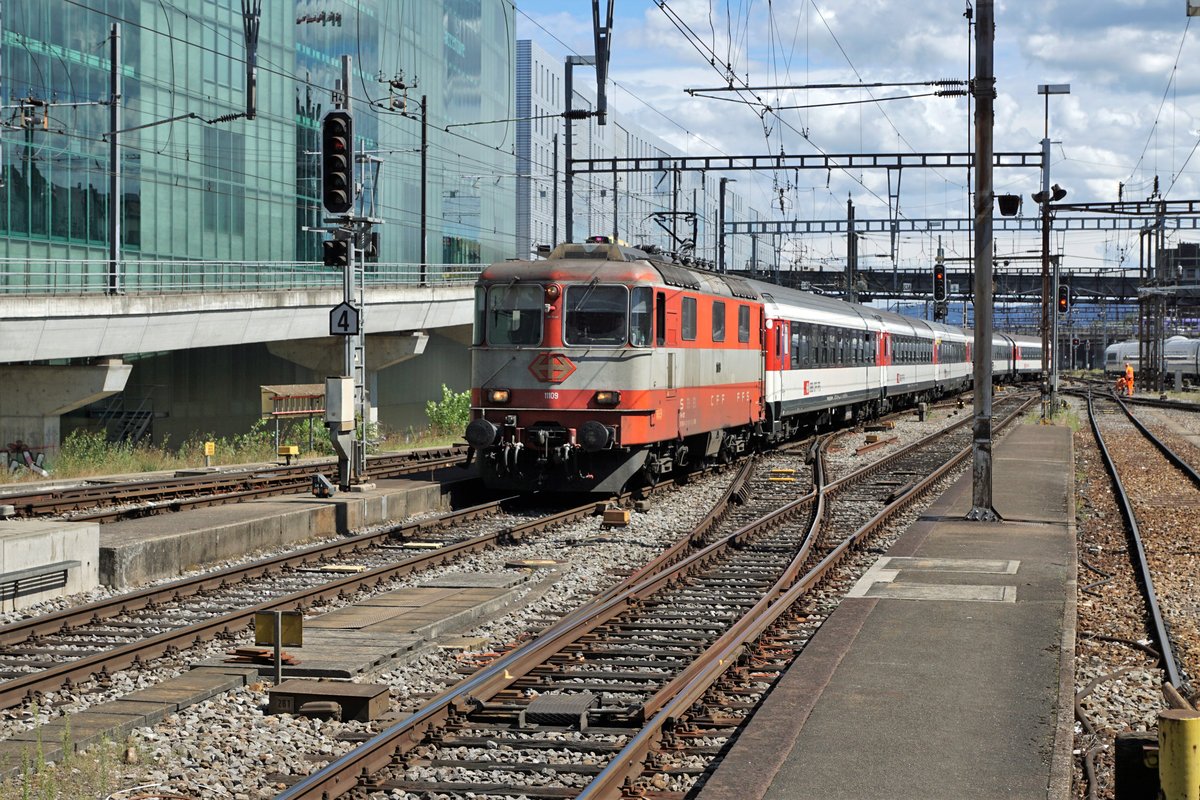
{"x":1129,"y":378}
{"x":1121,"y":386}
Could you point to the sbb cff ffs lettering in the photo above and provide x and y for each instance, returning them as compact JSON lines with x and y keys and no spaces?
{"x":337,"y":162}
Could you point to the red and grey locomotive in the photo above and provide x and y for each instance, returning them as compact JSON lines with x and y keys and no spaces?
{"x":602,"y":364}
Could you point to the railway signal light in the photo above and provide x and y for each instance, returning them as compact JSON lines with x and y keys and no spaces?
{"x":1064,"y":299}
{"x":337,"y":162}
{"x":939,"y":282}
{"x":336,"y":253}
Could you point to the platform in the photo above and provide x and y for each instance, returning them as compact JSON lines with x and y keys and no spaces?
{"x":949,"y":673}
{"x":136,"y":551}
{"x":44,"y":559}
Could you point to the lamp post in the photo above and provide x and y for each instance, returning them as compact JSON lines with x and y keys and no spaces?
{"x":1049,"y":386}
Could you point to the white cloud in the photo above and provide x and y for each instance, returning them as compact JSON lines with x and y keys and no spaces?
{"x":1118,"y":57}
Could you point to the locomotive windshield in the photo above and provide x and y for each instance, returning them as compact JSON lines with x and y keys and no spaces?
{"x":514,"y":314}
{"x":596,"y":314}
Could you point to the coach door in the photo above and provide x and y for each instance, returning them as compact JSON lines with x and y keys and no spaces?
{"x":666,"y":332}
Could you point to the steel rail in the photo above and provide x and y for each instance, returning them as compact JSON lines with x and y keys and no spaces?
{"x":1143,"y":567}
{"x":1170,"y":454}
{"x":15,"y":691}
{"x":173,"y":494}
{"x":17,"y":632}
{"x":679,"y":697}
{"x":352,"y":770}
{"x":344,"y":773}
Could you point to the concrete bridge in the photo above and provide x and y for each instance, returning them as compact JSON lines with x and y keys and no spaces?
{"x":66,"y":342}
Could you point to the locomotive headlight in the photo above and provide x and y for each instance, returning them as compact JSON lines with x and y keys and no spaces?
{"x":608,"y":398}
{"x":498,"y":397}
{"x":552,"y":293}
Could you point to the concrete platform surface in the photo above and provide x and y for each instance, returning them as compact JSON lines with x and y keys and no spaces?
{"x":949,"y":672}
{"x":136,"y":551}
{"x":44,"y":559}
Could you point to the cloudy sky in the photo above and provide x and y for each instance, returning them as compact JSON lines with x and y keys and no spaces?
{"x":1130,"y":116}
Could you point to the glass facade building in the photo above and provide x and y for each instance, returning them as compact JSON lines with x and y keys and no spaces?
{"x":220,"y":187}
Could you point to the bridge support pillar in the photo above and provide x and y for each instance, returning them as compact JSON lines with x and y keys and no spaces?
{"x":325,"y":356}
{"x":33,"y":397}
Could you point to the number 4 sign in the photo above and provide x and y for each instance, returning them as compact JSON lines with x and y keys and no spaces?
{"x":343,"y":320}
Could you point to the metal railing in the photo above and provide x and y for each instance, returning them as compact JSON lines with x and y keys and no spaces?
{"x":90,"y":276}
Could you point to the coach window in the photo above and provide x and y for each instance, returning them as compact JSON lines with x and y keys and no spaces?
{"x":514,"y":314}
{"x":743,"y":323}
{"x":689,"y":319}
{"x":640,"y":316}
{"x":796,"y":358}
{"x":596,"y":314}
{"x":869,"y":349}
{"x":718,"y":321}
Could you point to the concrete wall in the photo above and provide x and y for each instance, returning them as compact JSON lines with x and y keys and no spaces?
{"x":216,"y":389}
{"x":404,"y":389}
{"x":26,"y":544}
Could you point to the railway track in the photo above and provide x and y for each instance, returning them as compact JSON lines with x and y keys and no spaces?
{"x":107,"y":501}
{"x":1158,"y":493}
{"x":87,"y":643}
{"x":637,"y":691}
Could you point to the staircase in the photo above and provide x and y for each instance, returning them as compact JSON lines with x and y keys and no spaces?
{"x":126,"y":420}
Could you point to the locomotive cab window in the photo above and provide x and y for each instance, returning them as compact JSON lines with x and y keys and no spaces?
{"x":514,"y":314}
{"x":480,"y":315}
{"x":596,"y":314}
{"x":640,"y":319}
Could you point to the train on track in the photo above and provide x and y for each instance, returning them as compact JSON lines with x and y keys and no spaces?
{"x":1180,"y":353}
{"x":603,"y":365}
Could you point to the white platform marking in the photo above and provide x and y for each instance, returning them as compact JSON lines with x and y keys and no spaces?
{"x":880,"y":580}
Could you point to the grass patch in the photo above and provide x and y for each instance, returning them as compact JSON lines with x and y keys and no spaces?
{"x":94,"y":773}
{"x":86,"y":453}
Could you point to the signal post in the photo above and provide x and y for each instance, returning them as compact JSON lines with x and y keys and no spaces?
{"x":351,"y":231}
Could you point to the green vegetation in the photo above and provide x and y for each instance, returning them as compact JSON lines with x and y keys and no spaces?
{"x":76,"y":776}
{"x":451,"y":415}
{"x":86,"y":453}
